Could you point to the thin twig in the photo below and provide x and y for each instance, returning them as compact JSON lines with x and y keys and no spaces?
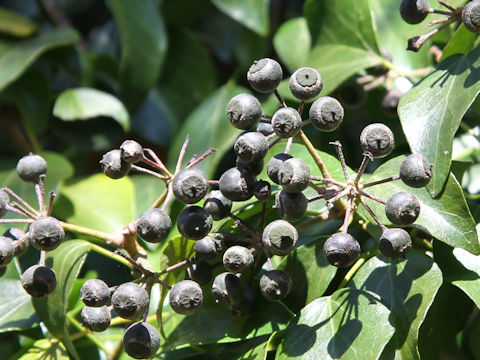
{"x":19,"y":199}
{"x":149,"y":172}
{"x":181,"y":155}
{"x":51,"y":198}
{"x":157,"y":163}
{"x":279,"y":97}
{"x":366,"y":157}
{"x":382,"y":181}
{"x":289,"y":145}
{"x":195,"y":161}
{"x":372,"y":214}
{"x":329,"y":181}
{"x":373,"y":197}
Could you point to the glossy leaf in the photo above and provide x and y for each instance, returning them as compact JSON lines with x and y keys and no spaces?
{"x":407,"y":288}
{"x":251,"y":13}
{"x":46,"y":349}
{"x":14,"y":24}
{"x":292,"y":43}
{"x":147,"y":190}
{"x":431,"y":112}
{"x":17,"y":56}
{"x":87,"y":103}
{"x":462,"y":42}
{"x":343,"y":325}
{"x":447,"y":217}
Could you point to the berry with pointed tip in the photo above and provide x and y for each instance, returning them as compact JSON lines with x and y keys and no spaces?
{"x":95,"y":293}
{"x":207,"y":248}
{"x":96,"y":318}
{"x":130,"y":301}
{"x":394,"y":242}
{"x":471,"y":16}
{"x":190,"y":185}
{"x":390,"y":101}
{"x":414,"y":11}
{"x":31,"y":167}
{"x":377,"y":139}
{"x":416,"y":171}
{"x":185,"y":297}
{"x":154,"y":225}
{"x":236,"y":184}
{"x":274,"y":164}
{"x":254,"y":168}
{"x":286,"y":122}
{"x":217,"y":205}
{"x":251,"y":146}
{"x":194,"y":222}
{"x":237,"y":259}
{"x":7,"y":250}
{"x":341,"y":249}
{"x":113,"y":166}
{"x":290,"y":206}
{"x":244,"y":111}
{"x":275,"y":285}
{"x":265,"y":75}
{"x":200,"y":272}
{"x":46,"y":233}
{"x":265,"y":128}
{"x":294,"y":175}
{"x":326,"y":113}
{"x":131,"y":151}
{"x":4,"y":200}
{"x":279,"y":237}
{"x":262,"y":190}
{"x":227,"y":289}
{"x":39,"y":280}
{"x":19,"y":238}
{"x":305,"y":83}
{"x":402,"y":208}
{"x":141,"y":340}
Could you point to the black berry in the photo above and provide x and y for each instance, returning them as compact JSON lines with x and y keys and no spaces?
{"x":246,"y":305}
{"x":190,"y":186}
{"x":305,"y":83}
{"x":130,"y":301}
{"x":31,"y":167}
{"x":237,"y":259}
{"x":262,"y":190}
{"x":39,"y":280}
{"x":7,"y":250}
{"x":471,"y":16}
{"x":194,"y":222}
{"x":279,"y":237}
{"x":227,"y":289}
{"x":244,"y":111}
{"x":46,"y":233}
{"x":113,"y":166}
{"x":19,"y":238}
{"x":414,"y":11}
{"x":236,"y":184}
{"x":294,"y":175}
{"x":377,"y":139}
{"x":4,"y":200}
{"x":217,"y":205}
{"x":207,"y":248}
{"x":416,"y":171}
{"x":251,"y":146}
{"x":265,"y":75}
{"x":253,"y":168}
{"x":96,"y":318}
{"x":326,"y":113}
{"x":394,"y":242}
{"x":185,"y":297}
{"x":154,"y":225}
{"x":131,"y":151}
{"x":286,"y":122}
{"x":95,"y":293}
{"x":402,"y":208}
{"x":290,"y":206}
{"x":200,"y":272}
{"x":341,"y":249}
{"x":275,"y":285}
{"x":141,"y":340}
{"x":265,"y":128}
{"x":274,"y":164}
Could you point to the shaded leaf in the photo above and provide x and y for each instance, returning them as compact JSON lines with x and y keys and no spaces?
{"x":292,"y":43}
{"x":251,"y":13}
{"x":12,"y":23}
{"x":462,"y":42}
{"x":46,"y":349}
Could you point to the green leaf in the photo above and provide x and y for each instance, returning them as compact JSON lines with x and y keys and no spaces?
{"x":251,"y":13}
{"x":344,"y":325}
{"x":292,"y":43}
{"x":462,"y":42}
{"x":46,"y":349}
{"x":144,"y":44}
{"x":447,"y":217}
{"x":431,"y":112}
{"x":407,"y":288}
{"x":14,"y":24}
{"x":66,"y":261}
{"x":17,"y":56}
{"x":147,"y":190}
{"x":87,"y":103}
{"x":344,"y":39}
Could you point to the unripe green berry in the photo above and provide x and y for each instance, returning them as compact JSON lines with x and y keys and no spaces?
{"x":19,"y":238}
{"x":4,"y":200}
{"x":414,"y":11}
{"x":39,"y":280}
{"x":294,"y":175}
{"x":377,"y":139}
{"x":154,"y":225}
{"x":471,"y":16}
{"x":305,"y":83}
{"x":190,"y":186}
{"x":262,"y":190}
{"x":194,"y":222}
{"x":237,"y":259}
{"x":131,"y":151}
{"x":416,"y":171}
{"x":236,"y":184}
{"x":275,"y":285}
{"x":185,"y":297}
{"x":265,"y":75}
{"x":46,"y":233}
{"x":251,"y":146}
{"x":141,"y":340}
{"x":95,"y":293}
{"x":326,"y":113}
{"x":402,"y":208}
{"x":227,"y":289}
{"x":7,"y":250}
{"x":207,"y":248}
{"x":286,"y":122}
{"x":279,"y":237}
{"x":31,"y":167}
{"x":200,"y":272}
{"x":244,"y":111}
{"x":290,"y":206}
{"x":341,"y":249}
{"x":130,"y":301}
{"x":274,"y":165}
{"x":217,"y":205}
{"x":96,"y":318}
{"x":113,"y":166}
{"x":394,"y":242}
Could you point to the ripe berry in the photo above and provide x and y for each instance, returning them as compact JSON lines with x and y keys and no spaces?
{"x":414,"y":11}
{"x":265,"y":75}
{"x":394,"y":242}
{"x":377,"y":139}
{"x":471,"y":16}
{"x":274,"y":164}
{"x":279,"y":237}
{"x":4,"y":200}
{"x":46,"y":233}
{"x":290,"y":206}
{"x":294,"y":175}
{"x":275,"y":285}
{"x":253,"y":168}
{"x":286,"y":122}
{"x":244,"y":111}
{"x":236,"y":184}
{"x":390,"y":101}
{"x":131,"y":151}
{"x":227,"y":289}
{"x":402,"y":208}
{"x":19,"y":238}
{"x":207,"y":248}
{"x":341,"y":249}
{"x":154,"y":225}
{"x":95,"y":293}
{"x":416,"y":171}
{"x":130,"y":301}
{"x":96,"y":318}
{"x":113,"y":166}
{"x":190,"y":186}
{"x":262,"y":190}
{"x":265,"y":128}
{"x":194,"y":222}
{"x":251,"y":146}
{"x":141,"y":340}
{"x":31,"y":167}
{"x":217,"y":205}
{"x":200,"y":272}
{"x":237,"y":259}
{"x":7,"y":250}
{"x":305,"y":83}
{"x":326,"y":113}
{"x":185,"y":297}
{"x":39,"y":280}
